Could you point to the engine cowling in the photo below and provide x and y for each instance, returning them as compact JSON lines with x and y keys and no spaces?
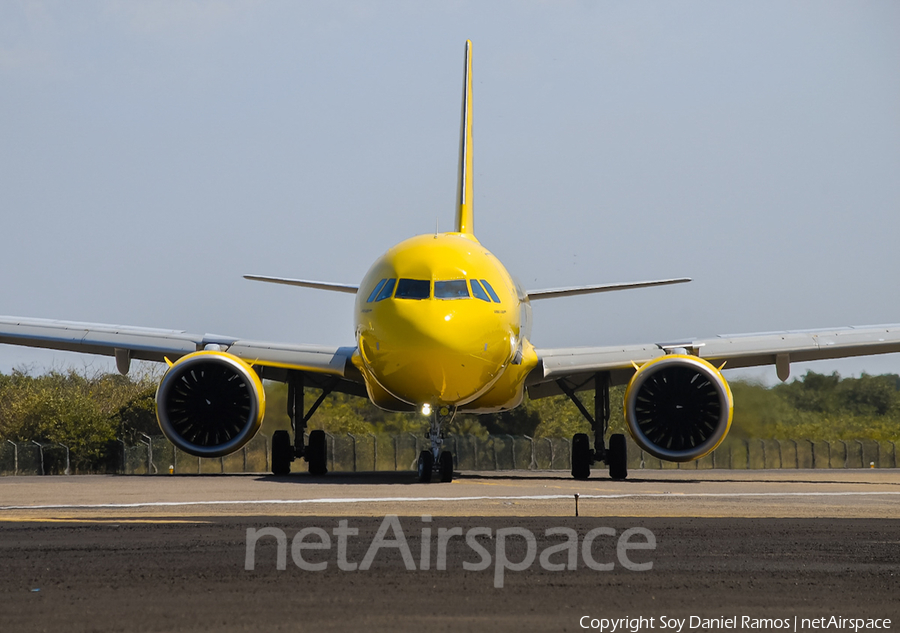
{"x":210,"y":403}
{"x":678,"y":407}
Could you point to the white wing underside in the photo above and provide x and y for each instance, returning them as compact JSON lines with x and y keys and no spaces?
{"x":734,"y":351}
{"x":157,"y":345}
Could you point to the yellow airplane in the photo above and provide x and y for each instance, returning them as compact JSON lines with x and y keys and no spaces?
{"x":442,"y":327}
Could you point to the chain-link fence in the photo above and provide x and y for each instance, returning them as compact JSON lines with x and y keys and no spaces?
{"x":376,"y":452}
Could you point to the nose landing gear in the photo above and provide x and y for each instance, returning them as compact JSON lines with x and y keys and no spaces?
{"x":435,"y":460}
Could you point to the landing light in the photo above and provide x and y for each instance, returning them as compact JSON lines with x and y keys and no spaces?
{"x":426,"y":409}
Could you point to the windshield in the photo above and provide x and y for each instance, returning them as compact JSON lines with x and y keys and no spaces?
{"x":413,"y":289}
{"x":455,"y":289}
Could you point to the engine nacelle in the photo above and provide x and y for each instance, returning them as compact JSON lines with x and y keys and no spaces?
{"x":210,"y":404}
{"x":678,"y":407}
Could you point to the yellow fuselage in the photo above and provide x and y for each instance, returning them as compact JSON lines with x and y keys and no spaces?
{"x":440,"y":321}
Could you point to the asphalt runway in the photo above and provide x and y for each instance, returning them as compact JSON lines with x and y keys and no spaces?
{"x":872,"y":493}
{"x":172,"y":553}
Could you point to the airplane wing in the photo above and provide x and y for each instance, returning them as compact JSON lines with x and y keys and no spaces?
{"x":578,"y":364}
{"x":552,"y":293}
{"x":126,"y":343}
{"x":305,"y":283}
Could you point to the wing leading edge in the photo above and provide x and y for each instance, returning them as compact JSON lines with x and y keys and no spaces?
{"x":571,"y":291}
{"x":304,"y":283}
{"x":735,"y":351}
{"x":127,"y":343}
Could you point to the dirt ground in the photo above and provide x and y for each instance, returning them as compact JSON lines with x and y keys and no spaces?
{"x":189,"y":575}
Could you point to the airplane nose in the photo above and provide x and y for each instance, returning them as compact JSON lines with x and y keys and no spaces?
{"x":437,"y":352}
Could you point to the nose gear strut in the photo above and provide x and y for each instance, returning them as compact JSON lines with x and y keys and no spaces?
{"x":434,"y":460}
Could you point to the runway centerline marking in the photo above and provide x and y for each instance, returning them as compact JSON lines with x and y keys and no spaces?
{"x":633,"y":495}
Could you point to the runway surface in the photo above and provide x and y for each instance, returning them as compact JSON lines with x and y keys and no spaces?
{"x":651,"y":493}
{"x":170,"y":553}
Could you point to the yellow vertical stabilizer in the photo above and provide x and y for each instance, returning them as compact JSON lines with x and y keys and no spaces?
{"x":464,"y":211}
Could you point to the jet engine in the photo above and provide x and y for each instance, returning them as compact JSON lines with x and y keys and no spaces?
{"x":210,"y":403}
{"x":678,"y":407}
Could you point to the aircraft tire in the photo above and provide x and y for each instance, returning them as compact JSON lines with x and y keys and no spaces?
{"x":618,"y":457}
{"x":426,"y":466}
{"x":446,"y":464}
{"x":282,"y":451}
{"x":581,"y":456}
{"x":317,"y":453}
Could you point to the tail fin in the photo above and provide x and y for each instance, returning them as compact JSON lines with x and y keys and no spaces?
{"x":464,"y":211}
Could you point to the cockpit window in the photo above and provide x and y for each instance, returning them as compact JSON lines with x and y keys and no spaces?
{"x":387,"y":290}
{"x":490,"y":291}
{"x":413,"y":289}
{"x":375,"y":292}
{"x":455,"y":289}
{"x":479,"y":292}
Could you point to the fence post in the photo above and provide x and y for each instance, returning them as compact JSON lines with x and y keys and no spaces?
{"x":828,"y":444}
{"x":796,"y":455}
{"x":862,"y":458}
{"x":475,"y":449}
{"x":533,"y":464}
{"x":512,"y":449}
{"x":494,"y":448}
{"x":149,"y":443}
{"x":550,"y":442}
{"x":374,"y":452}
{"x":68,"y":471}
{"x":42,"y":454}
{"x":894,"y":452}
{"x":354,"y":450}
{"x":763,"y":444}
{"x":415,"y":446}
{"x":16,"y":457}
{"x":395,"y":453}
{"x":780,"y":456}
{"x":327,"y":434}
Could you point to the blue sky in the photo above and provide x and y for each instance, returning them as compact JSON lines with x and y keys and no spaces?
{"x":152,"y":153}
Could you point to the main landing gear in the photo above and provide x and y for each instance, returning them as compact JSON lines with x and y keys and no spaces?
{"x":283,"y":452}
{"x":435,"y":461}
{"x":616,"y":456}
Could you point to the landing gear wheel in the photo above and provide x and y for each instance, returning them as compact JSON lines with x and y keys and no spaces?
{"x":316,"y":453}
{"x":426,"y":466}
{"x":282,"y":453}
{"x":618,"y":457}
{"x":581,"y":456}
{"x":446,"y":465}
